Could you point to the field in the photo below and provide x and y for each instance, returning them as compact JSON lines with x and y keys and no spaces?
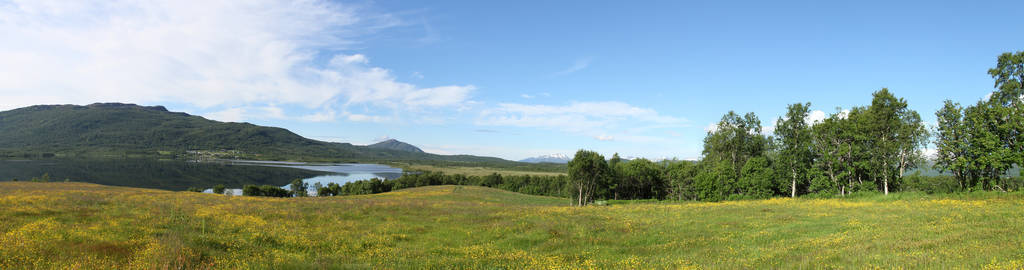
{"x":87,"y":226}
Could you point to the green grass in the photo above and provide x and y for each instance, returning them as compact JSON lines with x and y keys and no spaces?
{"x":76,"y":225}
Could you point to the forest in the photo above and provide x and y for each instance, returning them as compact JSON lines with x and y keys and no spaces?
{"x":861,"y":149}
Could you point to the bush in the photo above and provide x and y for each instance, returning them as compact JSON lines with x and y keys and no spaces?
{"x":265,"y":190}
{"x":195,"y":189}
{"x":332,"y":189}
{"x":219,"y":189}
{"x":930,"y":184}
{"x":299,"y":188}
{"x":44,"y":178}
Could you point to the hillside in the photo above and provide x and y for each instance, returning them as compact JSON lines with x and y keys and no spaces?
{"x":397,"y":145}
{"x":87,"y":226}
{"x":115,"y":128}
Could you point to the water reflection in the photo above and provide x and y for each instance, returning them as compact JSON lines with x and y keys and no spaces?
{"x":181,"y":175}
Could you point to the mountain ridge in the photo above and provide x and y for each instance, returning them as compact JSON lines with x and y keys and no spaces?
{"x":393,"y":144}
{"x":121,"y":128}
{"x":550,"y":158}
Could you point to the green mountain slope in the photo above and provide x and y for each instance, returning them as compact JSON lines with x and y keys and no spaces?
{"x":115,"y":128}
{"x":396,"y":145}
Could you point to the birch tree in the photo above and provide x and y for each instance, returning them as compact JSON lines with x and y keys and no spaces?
{"x":586,"y":170}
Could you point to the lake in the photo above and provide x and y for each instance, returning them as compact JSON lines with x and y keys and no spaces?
{"x":181,"y":175}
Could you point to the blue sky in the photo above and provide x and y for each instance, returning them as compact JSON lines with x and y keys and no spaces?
{"x":509,"y":79}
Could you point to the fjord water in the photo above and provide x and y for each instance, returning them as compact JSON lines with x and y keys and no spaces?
{"x":181,"y":174}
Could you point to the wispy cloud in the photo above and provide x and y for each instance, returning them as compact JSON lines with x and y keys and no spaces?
{"x":430,"y":35}
{"x":600,"y":120}
{"x":527,"y":96}
{"x":580,"y":64}
{"x":228,"y":57}
{"x":241,"y":114}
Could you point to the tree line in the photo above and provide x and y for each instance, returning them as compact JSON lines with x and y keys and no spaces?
{"x":979,"y":143}
{"x":864,"y":148}
{"x":527,"y":184}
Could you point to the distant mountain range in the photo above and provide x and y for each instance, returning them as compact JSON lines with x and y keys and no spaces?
{"x":120,"y":129}
{"x":552,"y":158}
{"x":393,"y":144}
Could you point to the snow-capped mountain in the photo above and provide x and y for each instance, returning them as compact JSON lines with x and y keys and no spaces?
{"x":552,"y":158}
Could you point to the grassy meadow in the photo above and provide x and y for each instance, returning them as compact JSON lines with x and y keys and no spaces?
{"x":87,"y":226}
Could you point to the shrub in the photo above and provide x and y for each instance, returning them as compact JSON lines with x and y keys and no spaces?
{"x":273,"y":191}
{"x":299,"y":188}
{"x":265,"y":190}
{"x":219,"y":189}
{"x":251,"y":190}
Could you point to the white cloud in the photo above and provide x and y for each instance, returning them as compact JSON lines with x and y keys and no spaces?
{"x":770,"y":129}
{"x":843,"y":114}
{"x":579,"y":65}
{"x":604,"y":137}
{"x":241,"y":114}
{"x":575,"y":117}
{"x":233,"y":56}
{"x":352,"y":59}
{"x":438,"y":96}
{"x":711,"y":127}
{"x":526,"y":96}
{"x":601,"y":120}
{"x":355,"y":117}
{"x":814,"y":117}
{"x":322,"y":116}
{"x":229,"y":115}
{"x":492,"y":150}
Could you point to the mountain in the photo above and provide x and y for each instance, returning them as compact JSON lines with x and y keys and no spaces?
{"x":397,"y":145}
{"x":552,"y":158}
{"x":126,"y":129}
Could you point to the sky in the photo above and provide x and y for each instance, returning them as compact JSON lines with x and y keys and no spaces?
{"x":511,"y":79}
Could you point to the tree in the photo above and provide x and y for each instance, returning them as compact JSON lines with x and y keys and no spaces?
{"x":757,"y":180}
{"x":832,"y":144}
{"x":988,"y":159}
{"x":714,"y":182}
{"x":612,"y":185}
{"x":951,"y":142}
{"x":896,"y":136}
{"x":251,"y":190}
{"x":299,"y":188}
{"x":1007,"y":106}
{"x":680,"y":177}
{"x":219,"y":189}
{"x":641,"y":179}
{"x":734,"y":140}
{"x":794,"y":138}
{"x":332,"y":189}
{"x":911,"y":137}
{"x":586,"y":170}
